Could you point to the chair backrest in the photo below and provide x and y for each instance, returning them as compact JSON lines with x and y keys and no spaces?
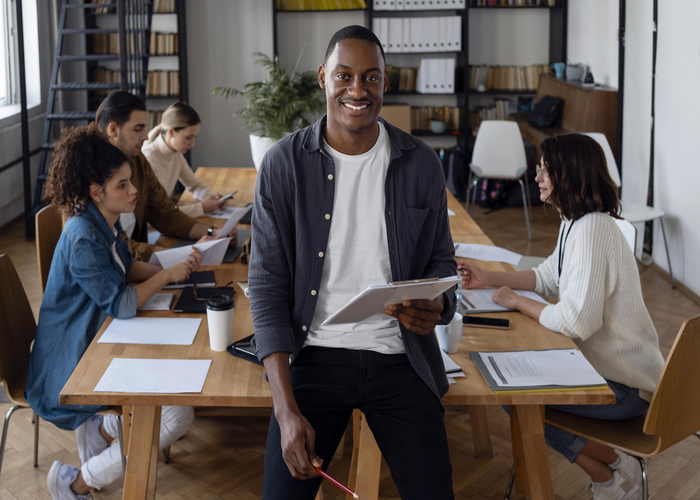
{"x":674,"y":412}
{"x":49,"y":225}
{"x":629,"y":232}
{"x":17,"y":330}
{"x":499,"y":152}
{"x":609,"y":156}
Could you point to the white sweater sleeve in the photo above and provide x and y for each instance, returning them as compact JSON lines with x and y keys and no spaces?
{"x":190,"y":181}
{"x":588,"y":265}
{"x":546,"y":277}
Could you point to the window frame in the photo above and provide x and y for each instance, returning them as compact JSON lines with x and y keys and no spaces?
{"x":6,"y":58}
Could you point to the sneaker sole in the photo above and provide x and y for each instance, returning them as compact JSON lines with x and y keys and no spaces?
{"x":80,"y":435}
{"x":633,"y":494}
{"x":52,"y":478}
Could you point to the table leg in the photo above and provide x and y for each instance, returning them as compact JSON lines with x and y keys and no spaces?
{"x":528,"y":421}
{"x":369,"y":462}
{"x":142,"y":463}
{"x":521,"y":482}
{"x":480,"y":432}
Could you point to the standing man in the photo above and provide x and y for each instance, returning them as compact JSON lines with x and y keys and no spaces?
{"x":345,"y":203}
{"x":122,"y":116}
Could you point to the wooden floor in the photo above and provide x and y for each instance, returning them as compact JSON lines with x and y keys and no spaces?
{"x":222,"y":458}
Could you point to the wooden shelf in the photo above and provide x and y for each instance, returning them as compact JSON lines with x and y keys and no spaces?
{"x":502,"y":92}
{"x":323,"y":10}
{"x":429,"y":133}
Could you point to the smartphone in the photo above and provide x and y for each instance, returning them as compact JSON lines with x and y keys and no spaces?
{"x":478,"y":322}
{"x":230,"y":195}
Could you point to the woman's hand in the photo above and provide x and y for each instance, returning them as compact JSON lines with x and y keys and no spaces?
{"x":472,"y":275}
{"x":180,"y":272}
{"x":506,"y":297}
{"x":211,"y":204}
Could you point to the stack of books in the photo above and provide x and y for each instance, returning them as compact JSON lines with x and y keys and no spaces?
{"x":154,"y":118}
{"x":406,"y":78}
{"x":419,"y":34}
{"x":320,"y":4}
{"x":513,"y":3}
{"x":163,"y":83}
{"x":499,"y":110}
{"x":163,"y":44}
{"x":163,"y":5}
{"x":421,"y":117}
{"x":101,"y":10}
{"x":418,"y":4}
{"x":108,"y":43}
{"x":507,"y":77}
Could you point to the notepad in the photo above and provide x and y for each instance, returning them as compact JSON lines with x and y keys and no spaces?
{"x":372,"y":302}
{"x":212,"y":254}
{"x":526,"y":370}
{"x":488,"y":253}
{"x":154,"y":376}
{"x":200,"y":278}
{"x":480,"y":300}
{"x":159,"y":302}
{"x":159,"y":331}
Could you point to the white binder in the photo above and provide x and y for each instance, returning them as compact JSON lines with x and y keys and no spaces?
{"x":395,"y":36}
{"x":432,"y":35}
{"x":406,"y":34}
{"x":457,"y":32}
{"x":442,"y":34}
{"x":450,"y":76}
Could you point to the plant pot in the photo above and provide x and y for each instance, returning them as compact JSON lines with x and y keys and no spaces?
{"x":438,"y":126}
{"x":258,"y":147}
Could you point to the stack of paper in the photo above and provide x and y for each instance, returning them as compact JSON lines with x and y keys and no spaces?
{"x":486,"y":252}
{"x":418,"y":4}
{"x":159,"y":302}
{"x":452,"y":369}
{"x":419,"y":34}
{"x":480,"y":300}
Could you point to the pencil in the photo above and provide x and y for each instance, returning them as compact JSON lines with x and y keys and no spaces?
{"x":345,"y":489}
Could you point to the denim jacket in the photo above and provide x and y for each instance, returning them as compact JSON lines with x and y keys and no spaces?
{"x":291,"y":224}
{"x":85,"y":286}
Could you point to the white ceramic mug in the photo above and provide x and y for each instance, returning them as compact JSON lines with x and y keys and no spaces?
{"x":449,"y":335}
{"x":220,"y":320}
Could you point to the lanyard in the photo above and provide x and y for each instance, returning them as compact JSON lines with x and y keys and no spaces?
{"x":562,"y":247}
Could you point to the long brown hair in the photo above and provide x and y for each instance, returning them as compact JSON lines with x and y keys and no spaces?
{"x":576,"y":166}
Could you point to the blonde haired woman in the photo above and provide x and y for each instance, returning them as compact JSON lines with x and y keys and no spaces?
{"x":167,"y":143}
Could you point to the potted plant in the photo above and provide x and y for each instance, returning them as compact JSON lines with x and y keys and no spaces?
{"x":437,"y":124}
{"x":276,"y":106}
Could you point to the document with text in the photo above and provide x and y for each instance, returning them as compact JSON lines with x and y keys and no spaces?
{"x":480,"y":300}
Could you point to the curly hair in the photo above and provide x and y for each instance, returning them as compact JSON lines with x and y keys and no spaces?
{"x":576,"y":165}
{"x":82,"y":157}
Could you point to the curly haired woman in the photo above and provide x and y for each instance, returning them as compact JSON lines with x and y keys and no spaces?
{"x":89,"y":279}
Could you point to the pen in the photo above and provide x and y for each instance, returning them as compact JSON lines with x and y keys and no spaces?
{"x":345,"y":489}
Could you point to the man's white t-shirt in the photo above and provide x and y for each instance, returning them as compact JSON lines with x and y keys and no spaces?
{"x":357,"y":254}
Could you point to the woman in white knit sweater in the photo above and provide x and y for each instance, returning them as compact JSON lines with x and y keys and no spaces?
{"x":594,"y":275}
{"x":165,"y":149}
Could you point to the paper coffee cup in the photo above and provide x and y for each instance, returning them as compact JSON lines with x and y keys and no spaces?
{"x":220,"y":320}
{"x":449,"y":335}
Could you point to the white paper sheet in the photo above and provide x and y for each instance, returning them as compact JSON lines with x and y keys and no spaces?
{"x":451,"y":367}
{"x":158,"y":331}
{"x":224,"y":213}
{"x":486,"y":252}
{"x":480,"y":300}
{"x":159,"y":302}
{"x":561,"y":367}
{"x":238,"y":213}
{"x":212,"y":254}
{"x":154,"y":376}
{"x":450,"y":212}
{"x":372,"y":302}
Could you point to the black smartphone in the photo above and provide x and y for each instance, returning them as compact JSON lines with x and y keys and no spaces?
{"x":478,"y":322}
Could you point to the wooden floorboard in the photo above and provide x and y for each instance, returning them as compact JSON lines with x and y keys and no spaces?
{"x":222,"y":458}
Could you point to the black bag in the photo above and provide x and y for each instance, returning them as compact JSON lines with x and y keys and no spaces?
{"x":547,"y":112}
{"x":457,"y":173}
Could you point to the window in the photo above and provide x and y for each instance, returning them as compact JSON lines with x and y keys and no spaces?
{"x":5,"y":54}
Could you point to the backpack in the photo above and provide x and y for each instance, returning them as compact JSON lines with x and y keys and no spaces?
{"x":547,"y":112}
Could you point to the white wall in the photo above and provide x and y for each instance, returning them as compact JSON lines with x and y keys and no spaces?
{"x":592,"y":37}
{"x":222,"y":36}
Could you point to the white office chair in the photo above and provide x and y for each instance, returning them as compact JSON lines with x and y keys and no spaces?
{"x":499,"y":153}
{"x":629,"y":232}
{"x":633,"y":212}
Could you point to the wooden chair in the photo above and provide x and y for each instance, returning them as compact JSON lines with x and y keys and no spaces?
{"x":674,"y":413}
{"x":17,"y":331}
{"x":49,"y":225}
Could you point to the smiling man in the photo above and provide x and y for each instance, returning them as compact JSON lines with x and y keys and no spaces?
{"x":349,"y":202}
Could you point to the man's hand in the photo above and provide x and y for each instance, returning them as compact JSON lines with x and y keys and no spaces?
{"x":298,"y":439}
{"x":211,"y":204}
{"x":419,"y":316}
{"x":505,"y":297}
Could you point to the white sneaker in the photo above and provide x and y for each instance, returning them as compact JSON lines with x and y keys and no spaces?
{"x":91,"y":442}
{"x":630,"y":468}
{"x":621,"y":489}
{"x":60,"y":477}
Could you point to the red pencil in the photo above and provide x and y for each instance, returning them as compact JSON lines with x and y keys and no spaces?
{"x":345,"y":489}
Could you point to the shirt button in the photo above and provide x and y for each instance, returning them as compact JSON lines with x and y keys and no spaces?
{"x":320,"y":254}
{"x":313,"y":292}
{"x":303,"y":328}
{"x":328,"y":216}
{"x":330,"y":177}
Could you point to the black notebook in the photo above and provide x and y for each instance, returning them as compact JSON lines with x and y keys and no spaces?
{"x":188,"y":304}
{"x":231,"y":254}
{"x":201,"y":278}
{"x":243,"y":349}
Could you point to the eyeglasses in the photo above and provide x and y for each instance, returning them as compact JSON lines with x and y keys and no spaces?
{"x":542,"y":171}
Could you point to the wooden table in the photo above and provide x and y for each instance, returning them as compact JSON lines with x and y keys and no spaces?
{"x":232,"y":382}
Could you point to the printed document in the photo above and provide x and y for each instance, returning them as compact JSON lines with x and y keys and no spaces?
{"x":158,"y":331}
{"x":480,"y":300}
{"x":486,"y":252}
{"x":556,"y":367}
{"x":154,"y":376}
{"x":212,"y":254}
{"x":159,"y":302}
{"x":236,"y":215}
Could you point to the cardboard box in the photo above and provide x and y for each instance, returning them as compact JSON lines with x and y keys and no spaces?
{"x":399,"y":115}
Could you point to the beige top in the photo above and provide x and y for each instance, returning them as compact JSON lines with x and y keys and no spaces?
{"x":171,"y":166}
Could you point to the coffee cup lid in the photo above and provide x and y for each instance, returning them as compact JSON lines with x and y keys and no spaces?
{"x":220,"y":303}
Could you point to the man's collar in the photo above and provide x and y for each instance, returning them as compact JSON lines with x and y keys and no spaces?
{"x":398,"y":139}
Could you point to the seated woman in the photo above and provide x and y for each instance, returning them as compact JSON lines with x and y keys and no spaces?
{"x":594,"y":275}
{"x":88,"y":281}
{"x":165,"y":149}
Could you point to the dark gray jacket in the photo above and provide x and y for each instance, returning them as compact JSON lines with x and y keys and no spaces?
{"x":290,"y":226}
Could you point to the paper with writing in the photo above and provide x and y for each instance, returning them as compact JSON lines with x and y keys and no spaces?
{"x":480,"y":300}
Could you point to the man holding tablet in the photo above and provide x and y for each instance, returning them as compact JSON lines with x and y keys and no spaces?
{"x":349,"y":202}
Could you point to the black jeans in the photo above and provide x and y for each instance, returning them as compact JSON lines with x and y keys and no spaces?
{"x":403,"y":413}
